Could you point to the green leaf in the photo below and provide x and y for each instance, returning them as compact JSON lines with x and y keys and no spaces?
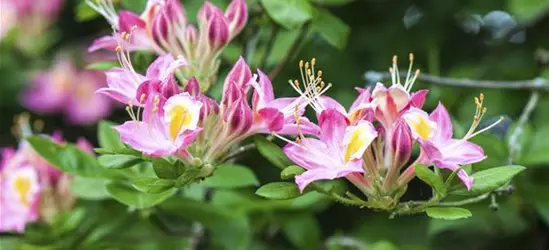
{"x":272,"y":152}
{"x":429,"y":177}
{"x":167,"y":170}
{"x":134,"y":5}
{"x":290,"y":14}
{"x":89,"y":188}
{"x":153,"y":185}
{"x":448,"y":213}
{"x":526,"y":9}
{"x":331,"y":28}
{"x":535,"y":151}
{"x":490,"y":179}
{"x":279,"y":191}
{"x":119,"y":161}
{"x":332,"y":2}
{"x":291,"y":171}
{"x":66,"y":157}
{"x":84,"y":12}
{"x":134,"y":198}
{"x":303,"y":231}
{"x":108,"y":137}
{"x":189,"y":176}
{"x":231,"y":176}
{"x":103,"y":66}
{"x":230,"y":230}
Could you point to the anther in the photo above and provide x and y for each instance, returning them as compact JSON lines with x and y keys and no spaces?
{"x":481,"y":96}
{"x":313,"y":61}
{"x":395,"y":59}
{"x":300,"y":63}
{"x":411,"y":57}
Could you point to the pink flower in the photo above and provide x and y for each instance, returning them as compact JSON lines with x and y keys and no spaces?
{"x":31,"y":17}
{"x":19,"y":197}
{"x":64,"y":89}
{"x":338,"y":151}
{"x":123,"y":83}
{"x":434,"y":134}
{"x":165,"y":129}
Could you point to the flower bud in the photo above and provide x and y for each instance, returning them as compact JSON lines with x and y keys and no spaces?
{"x":218,"y":32}
{"x":209,"y":106}
{"x":169,"y":87}
{"x":161,"y":28}
{"x":145,"y":89}
{"x":175,"y":12}
{"x":239,"y":116}
{"x":190,"y":34}
{"x":192,"y":87}
{"x":231,"y":94}
{"x":402,"y":144}
{"x":237,"y":14}
{"x":241,"y":74}
{"x":207,"y":11}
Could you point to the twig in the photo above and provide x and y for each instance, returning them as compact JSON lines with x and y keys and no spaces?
{"x":514,"y":145}
{"x":534,"y":84}
{"x":240,"y":150}
{"x":291,"y":52}
{"x":269,"y":46}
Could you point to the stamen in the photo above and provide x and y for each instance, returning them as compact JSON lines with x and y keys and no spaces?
{"x":38,"y":125}
{"x":395,"y":67}
{"x":479,"y":114}
{"x":296,"y":143}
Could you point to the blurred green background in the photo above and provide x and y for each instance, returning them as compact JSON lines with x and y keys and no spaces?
{"x":489,"y":39}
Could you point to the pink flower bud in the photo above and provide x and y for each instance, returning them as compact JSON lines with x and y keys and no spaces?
{"x":207,"y":11}
{"x":241,"y":74}
{"x":237,"y":14}
{"x":145,"y":89}
{"x":209,"y":106}
{"x":239,"y":116}
{"x":218,"y":32}
{"x":192,"y":87}
{"x":232,"y":93}
{"x":161,"y":28}
{"x":169,"y":87}
{"x":190,"y":34}
{"x":176,"y":13}
{"x":402,"y":144}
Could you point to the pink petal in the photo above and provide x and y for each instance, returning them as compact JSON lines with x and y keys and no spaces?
{"x":273,"y":118}
{"x":164,"y":66}
{"x":239,"y":74}
{"x":106,"y":42}
{"x":418,"y":98}
{"x":444,"y":123}
{"x":263,"y":93}
{"x":128,"y":19}
{"x":332,"y":125}
{"x":146,"y":138}
{"x":329,"y":103}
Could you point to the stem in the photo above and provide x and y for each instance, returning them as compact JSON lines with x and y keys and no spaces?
{"x":269,"y":46}
{"x":239,"y":151}
{"x":514,"y":145}
{"x":291,"y":52}
{"x":534,"y":84}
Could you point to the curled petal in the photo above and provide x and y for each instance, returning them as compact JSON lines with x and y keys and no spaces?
{"x":418,"y":98}
{"x":444,"y":123}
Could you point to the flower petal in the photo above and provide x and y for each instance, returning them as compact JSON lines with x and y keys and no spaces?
{"x":444,"y":123}
{"x":332,"y":125}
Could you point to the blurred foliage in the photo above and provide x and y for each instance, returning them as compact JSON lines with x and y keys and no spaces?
{"x":490,"y":39}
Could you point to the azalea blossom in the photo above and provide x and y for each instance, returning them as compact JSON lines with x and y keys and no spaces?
{"x":336,"y":153}
{"x":164,"y":29}
{"x":32,"y":189}
{"x":434,"y":134}
{"x":66,"y":89}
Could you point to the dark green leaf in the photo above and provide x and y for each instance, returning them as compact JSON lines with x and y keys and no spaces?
{"x":303,"y":231}
{"x":290,"y":172}
{"x":119,"y":161}
{"x":272,"y":152}
{"x":134,"y":198}
{"x":153,"y":185}
{"x":535,"y":150}
{"x":448,"y":213}
{"x":189,"y":176}
{"x":89,"y":188}
{"x":66,"y":157}
{"x":108,"y":137}
{"x":279,"y":191}
{"x":167,"y":170}
{"x":429,"y":177}
{"x":490,"y":179}
{"x":332,"y":2}
{"x":331,"y":28}
{"x":290,"y":14}
{"x":231,"y":176}
{"x":230,"y":230}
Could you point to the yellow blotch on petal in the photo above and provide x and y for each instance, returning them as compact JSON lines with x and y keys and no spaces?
{"x":181,"y":118}
{"x":22,"y":187}
{"x":358,"y":140}
{"x":421,"y":126}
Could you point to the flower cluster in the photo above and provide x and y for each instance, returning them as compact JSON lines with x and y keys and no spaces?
{"x":164,"y":29}
{"x":32,"y":189}
{"x":31,"y":17}
{"x":65,"y":89}
{"x":168,"y":120}
{"x":371,"y":143}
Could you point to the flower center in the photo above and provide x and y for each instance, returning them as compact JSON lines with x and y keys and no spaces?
{"x":420,"y":125}
{"x":357,"y":140}
{"x":22,"y":186}
{"x":181,"y":118}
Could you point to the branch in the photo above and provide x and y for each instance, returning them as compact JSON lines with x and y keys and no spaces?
{"x":514,"y":145}
{"x":291,"y":52}
{"x":534,"y":84}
